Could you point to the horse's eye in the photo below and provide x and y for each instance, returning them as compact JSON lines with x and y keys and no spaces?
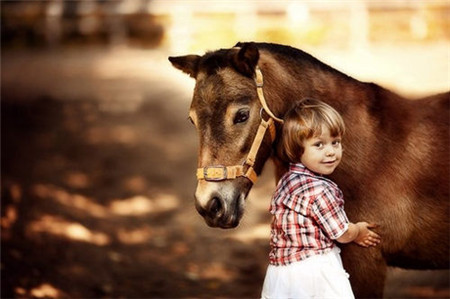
{"x":241,"y":116}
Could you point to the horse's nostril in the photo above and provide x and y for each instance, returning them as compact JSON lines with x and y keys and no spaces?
{"x":214,"y":207}
{"x":200,"y":210}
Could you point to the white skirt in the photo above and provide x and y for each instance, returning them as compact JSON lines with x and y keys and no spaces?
{"x":319,"y":276}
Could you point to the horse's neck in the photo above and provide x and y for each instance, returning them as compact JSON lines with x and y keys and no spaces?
{"x":330,"y":86}
{"x":288,"y":85}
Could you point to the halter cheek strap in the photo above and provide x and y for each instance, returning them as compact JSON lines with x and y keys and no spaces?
{"x":219,"y":172}
{"x":259,"y":88}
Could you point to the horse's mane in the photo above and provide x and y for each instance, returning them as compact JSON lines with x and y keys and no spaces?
{"x":295,"y":55}
{"x":284,"y":51}
{"x":214,"y":60}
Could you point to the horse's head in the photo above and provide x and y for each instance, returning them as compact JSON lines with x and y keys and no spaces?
{"x":227,"y":114}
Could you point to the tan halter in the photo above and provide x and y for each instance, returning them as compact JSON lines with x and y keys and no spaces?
{"x":220,"y":173}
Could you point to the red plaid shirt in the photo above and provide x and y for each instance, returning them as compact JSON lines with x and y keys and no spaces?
{"x":308,"y":214}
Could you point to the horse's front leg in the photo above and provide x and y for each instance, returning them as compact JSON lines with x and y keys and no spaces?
{"x":367,"y":269}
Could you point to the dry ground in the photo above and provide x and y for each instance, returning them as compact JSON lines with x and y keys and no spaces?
{"x":98,"y":163}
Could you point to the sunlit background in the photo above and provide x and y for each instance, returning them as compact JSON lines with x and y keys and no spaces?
{"x":98,"y":158}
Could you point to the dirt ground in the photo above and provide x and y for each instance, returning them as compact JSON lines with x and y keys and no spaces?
{"x":98,"y":162}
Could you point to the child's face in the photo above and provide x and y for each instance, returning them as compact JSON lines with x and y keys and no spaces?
{"x":323,"y":153}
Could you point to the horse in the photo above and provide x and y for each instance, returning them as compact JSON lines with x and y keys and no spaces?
{"x":395,"y":169}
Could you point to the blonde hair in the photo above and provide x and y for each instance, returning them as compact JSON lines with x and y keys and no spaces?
{"x":303,"y":121}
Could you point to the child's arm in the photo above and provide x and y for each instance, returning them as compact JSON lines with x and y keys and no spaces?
{"x":361,"y":234}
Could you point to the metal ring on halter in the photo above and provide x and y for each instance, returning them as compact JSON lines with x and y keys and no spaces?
{"x":261,"y":114}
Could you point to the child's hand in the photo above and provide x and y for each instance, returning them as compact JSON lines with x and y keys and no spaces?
{"x":366,"y":237}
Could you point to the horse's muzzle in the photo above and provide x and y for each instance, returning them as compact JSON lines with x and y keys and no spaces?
{"x":220,"y":204}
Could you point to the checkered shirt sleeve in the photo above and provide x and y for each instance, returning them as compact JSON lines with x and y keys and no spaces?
{"x":328,"y":211}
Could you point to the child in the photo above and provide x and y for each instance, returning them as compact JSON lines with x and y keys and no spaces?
{"x":308,"y":210}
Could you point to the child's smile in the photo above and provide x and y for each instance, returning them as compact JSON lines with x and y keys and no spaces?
{"x":322,"y":153}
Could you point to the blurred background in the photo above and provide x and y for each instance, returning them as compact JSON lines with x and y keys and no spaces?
{"x":98,"y":157}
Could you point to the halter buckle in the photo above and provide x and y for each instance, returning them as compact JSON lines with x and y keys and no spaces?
{"x":215,"y":173}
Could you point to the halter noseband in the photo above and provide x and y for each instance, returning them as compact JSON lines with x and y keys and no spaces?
{"x":220,"y":173}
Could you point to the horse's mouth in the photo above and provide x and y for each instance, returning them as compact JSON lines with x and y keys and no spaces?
{"x":236,"y":213}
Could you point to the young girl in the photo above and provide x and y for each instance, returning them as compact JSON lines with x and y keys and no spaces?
{"x":308,"y":210}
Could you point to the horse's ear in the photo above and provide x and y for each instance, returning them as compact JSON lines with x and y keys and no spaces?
{"x":246,"y":59}
{"x":187,"y":64}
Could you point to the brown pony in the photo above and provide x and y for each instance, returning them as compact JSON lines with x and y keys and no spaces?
{"x":395,"y":169}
